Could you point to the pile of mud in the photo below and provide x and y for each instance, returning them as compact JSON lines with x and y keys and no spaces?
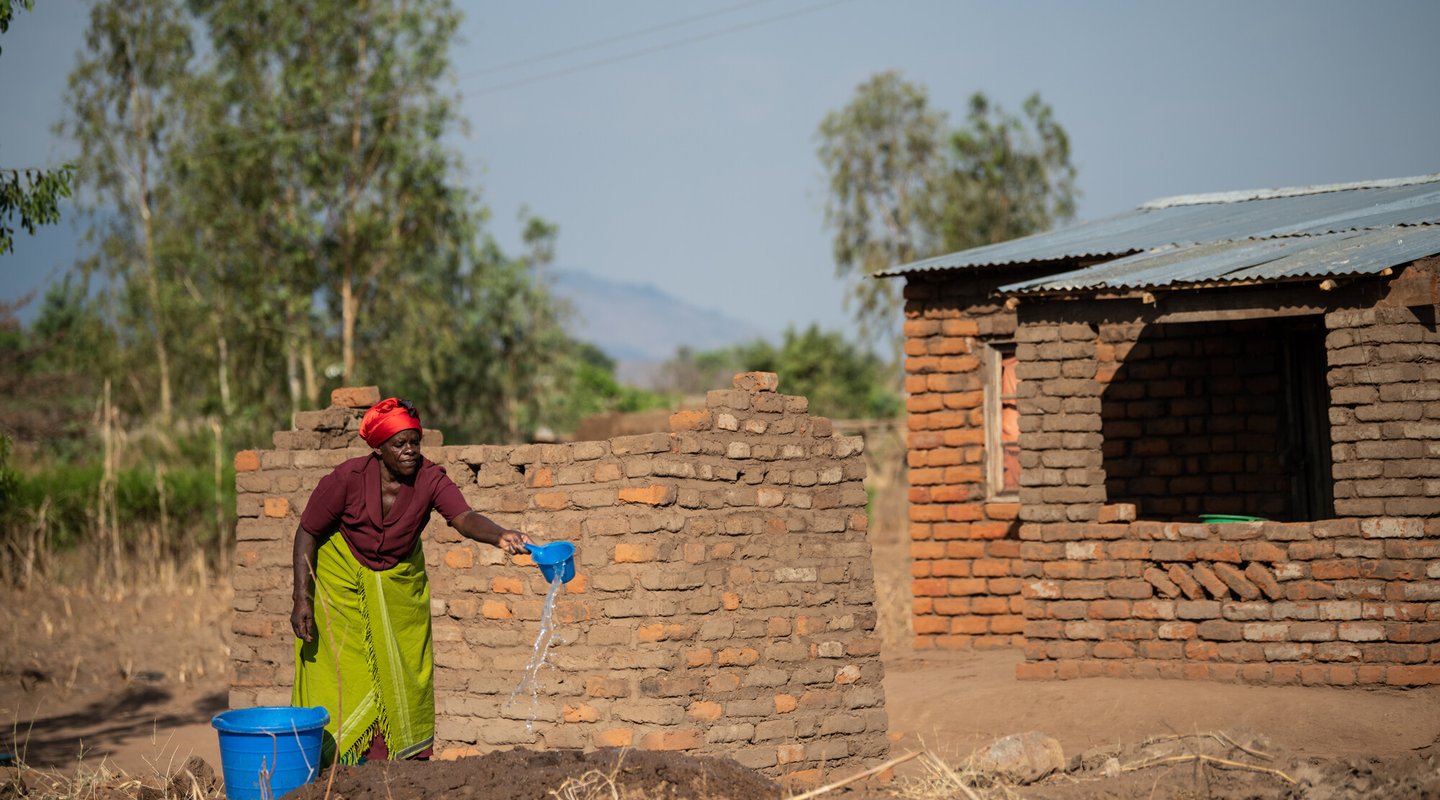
{"x":546,"y":775}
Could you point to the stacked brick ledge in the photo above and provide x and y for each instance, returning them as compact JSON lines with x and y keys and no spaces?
{"x":1345,"y":602}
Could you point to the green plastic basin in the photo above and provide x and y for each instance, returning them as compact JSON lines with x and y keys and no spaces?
{"x":1211,"y":519}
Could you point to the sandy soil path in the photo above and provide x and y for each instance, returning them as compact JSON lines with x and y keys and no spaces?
{"x":133,"y":681}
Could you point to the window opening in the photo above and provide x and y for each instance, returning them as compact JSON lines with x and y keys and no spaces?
{"x":1002,"y":421}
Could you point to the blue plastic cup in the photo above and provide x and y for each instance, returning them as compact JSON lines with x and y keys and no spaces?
{"x":268,"y":751}
{"x":555,"y":558}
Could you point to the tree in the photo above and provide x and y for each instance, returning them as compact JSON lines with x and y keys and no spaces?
{"x":31,"y":193}
{"x":840,"y":378}
{"x":1007,"y":177}
{"x":352,"y":119}
{"x":287,"y":214}
{"x":904,"y":187}
{"x":883,"y":153}
{"x":119,"y":96}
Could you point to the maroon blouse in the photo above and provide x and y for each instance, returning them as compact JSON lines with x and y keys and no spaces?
{"x":348,"y":500}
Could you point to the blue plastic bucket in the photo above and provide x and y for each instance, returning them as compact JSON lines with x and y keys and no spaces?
{"x":268,"y":751}
{"x":555,"y":558}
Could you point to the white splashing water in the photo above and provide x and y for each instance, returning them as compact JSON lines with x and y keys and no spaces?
{"x":530,"y":680}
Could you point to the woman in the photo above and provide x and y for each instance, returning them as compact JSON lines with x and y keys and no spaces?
{"x":362,"y":599}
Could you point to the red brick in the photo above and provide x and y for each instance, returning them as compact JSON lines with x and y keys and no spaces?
{"x":1007,"y":624}
{"x":950,"y":530}
{"x":969,"y":625}
{"x":551,"y":501}
{"x":1334,"y":570}
{"x":931,"y":587}
{"x":1255,"y":673}
{"x":1369,"y":674}
{"x":1340,"y":676}
{"x":1153,"y":609}
{"x":991,"y":530}
{"x":598,"y":686}
{"x":1200,"y":650}
{"x":951,"y":606}
{"x":1205,"y":577}
{"x":1162,"y":650}
{"x":652,"y":495}
{"x":921,"y":551}
{"x":1264,"y":580}
{"x":1218,"y":551}
{"x":1130,"y":629}
{"x":1002,"y":511}
{"x":1309,"y":551}
{"x":1113,"y":649}
{"x":928,"y":625}
{"x":1130,"y":589}
{"x":1110,"y":609}
{"x":1063,"y":570}
{"x":1128,"y":550}
{"x":1117,"y":512}
{"x":1183,"y":578}
{"x":948,"y":568}
{"x":989,"y":605}
{"x":627,"y":553}
{"x":966,"y":586}
{"x":354,"y":396}
{"x":1005,"y":586}
{"x":1229,"y":673}
{"x":1263,"y":551}
{"x":1161,"y":582}
{"x":247,"y":461}
{"x":1413,"y":676}
{"x":962,"y":549}
{"x":1235,"y":579}
{"x":671,"y":740}
{"x":1309,"y":590}
{"x":990,"y":567}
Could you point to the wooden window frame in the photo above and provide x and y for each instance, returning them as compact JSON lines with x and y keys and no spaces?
{"x":994,"y":356}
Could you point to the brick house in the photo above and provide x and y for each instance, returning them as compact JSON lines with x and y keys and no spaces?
{"x":1080,"y":400}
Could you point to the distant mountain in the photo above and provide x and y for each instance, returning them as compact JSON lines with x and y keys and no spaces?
{"x":639,"y":324}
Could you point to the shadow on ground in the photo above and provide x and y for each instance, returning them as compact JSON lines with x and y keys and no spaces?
{"x":136,"y":711}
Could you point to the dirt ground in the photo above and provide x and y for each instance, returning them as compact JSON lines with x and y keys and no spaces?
{"x":126,"y":682}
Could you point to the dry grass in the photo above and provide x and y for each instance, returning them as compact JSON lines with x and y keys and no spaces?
{"x":194,"y":780}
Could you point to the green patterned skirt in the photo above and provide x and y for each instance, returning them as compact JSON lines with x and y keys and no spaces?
{"x":371,"y":664}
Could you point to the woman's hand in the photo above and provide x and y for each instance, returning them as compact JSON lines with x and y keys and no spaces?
{"x":302,"y":618}
{"x":513,"y":542}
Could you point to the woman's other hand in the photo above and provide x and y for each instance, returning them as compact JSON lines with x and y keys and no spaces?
{"x":302,"y":619}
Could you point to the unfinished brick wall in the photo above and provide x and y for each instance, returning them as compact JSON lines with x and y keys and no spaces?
{"x":1340,"y":602}
{"x":724,"y":603}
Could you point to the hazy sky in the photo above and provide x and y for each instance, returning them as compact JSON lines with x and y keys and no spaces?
{"x":684,"y":157}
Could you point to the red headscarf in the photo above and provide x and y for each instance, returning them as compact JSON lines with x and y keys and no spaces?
{"x":387,"y":418}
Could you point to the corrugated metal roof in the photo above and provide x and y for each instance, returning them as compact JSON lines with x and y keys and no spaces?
{"x":1264,"y":260}
{"x":1206,"y":219}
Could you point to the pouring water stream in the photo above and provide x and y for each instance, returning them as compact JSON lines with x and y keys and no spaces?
{"x":531,"y":678}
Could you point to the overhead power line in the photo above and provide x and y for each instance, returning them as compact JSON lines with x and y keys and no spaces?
{"x":657,"y":48}
{"x":320,"y":119}
{"x":580,"y":48}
